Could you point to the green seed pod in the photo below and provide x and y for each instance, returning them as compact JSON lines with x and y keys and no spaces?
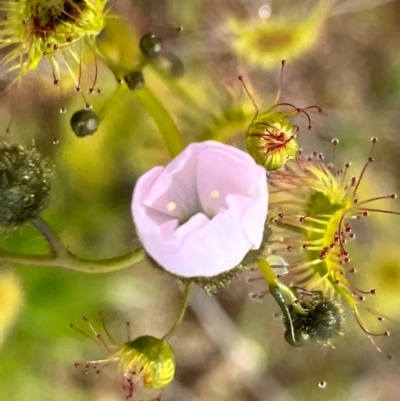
{"x":84,"y":122}
{"x":150,"y":45}
{"x":321,"y":322}
{"x":134,"y":80}
{"x":24,"y":185}
{"x":272,"y":140}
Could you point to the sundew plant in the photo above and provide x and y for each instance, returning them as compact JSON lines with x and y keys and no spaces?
{"x":198,"y":200}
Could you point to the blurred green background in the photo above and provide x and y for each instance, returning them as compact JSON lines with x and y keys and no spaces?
{"x":343,"y":56}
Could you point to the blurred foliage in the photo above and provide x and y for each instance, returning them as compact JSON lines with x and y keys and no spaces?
{"x":228,"y":348}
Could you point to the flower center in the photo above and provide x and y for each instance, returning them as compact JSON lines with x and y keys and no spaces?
{"x":185,"y":208}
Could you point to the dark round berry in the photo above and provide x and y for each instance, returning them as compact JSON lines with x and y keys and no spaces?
{"x":173,"y":64}
{"x":150,"y":45}
{"x":24,"y":185}
{"x":84,"y":122}
{"x":134,"y":80}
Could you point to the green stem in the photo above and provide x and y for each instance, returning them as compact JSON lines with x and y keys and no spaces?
{"x":151,"y":103}
{"x":117,"y":69}
{"x":178,"y":90}
{"x":281,"y":293}
{"x":276,"y":287}
{"x":72,"y":262}
{"x":113,"y":100}
{"x":181,"y":314}
{"x":162,"y":118}
{"x":56,"y":246}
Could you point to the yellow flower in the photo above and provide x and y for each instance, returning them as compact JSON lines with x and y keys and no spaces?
{"x":312,"y":205}
{"x":11,"y":300}
{"x":37,"y":29}
{"x":266,"y":42}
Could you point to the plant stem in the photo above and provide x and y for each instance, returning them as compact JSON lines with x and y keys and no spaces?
{"x":276,"y":288}
{"x":117,"y":68}
{"x":178,"y":90}
{"x":56,"y":246}
{"x":281,"y":292}
{"x":162,"y":118}
{"x":71,"y":262}
{"x":151,"y":103}
{"x":181,"y":314}
{"x":113,"y":100}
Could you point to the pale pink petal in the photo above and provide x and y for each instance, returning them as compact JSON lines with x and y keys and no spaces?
{"x":203,"y":212}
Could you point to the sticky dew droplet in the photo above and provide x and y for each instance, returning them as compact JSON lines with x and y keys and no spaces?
{"x":322,"y":384}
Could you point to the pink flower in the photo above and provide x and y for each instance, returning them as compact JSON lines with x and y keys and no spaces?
{"x":203,"y":212}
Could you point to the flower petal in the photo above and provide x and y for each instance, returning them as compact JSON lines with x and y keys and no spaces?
{"x":202,"y":213}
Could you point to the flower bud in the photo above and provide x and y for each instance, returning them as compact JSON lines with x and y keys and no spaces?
{"x":84,"y":122}
{"x":150,"y":358}
{"x":24,"y":184}
{"x":272,"y":140}
{"x":171,"y":63}
{"x":134,"y":80}
{"x":150,"y":45}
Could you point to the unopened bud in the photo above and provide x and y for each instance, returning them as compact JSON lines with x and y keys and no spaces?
{"x":24,"y":184}
{"x":150,"y":358}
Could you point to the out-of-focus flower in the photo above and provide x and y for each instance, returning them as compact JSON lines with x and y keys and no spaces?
{"x":24,"y":184}
{"x":201,"y":214}
{"x":265,"y":42}
{"x":37,"y":29}
{"x":11,"y":300}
